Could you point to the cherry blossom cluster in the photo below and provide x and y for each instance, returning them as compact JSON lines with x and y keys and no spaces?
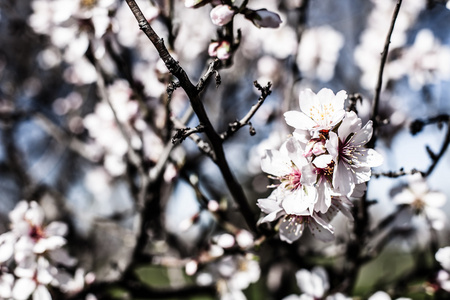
{"x":319,"y":167}
{"x":29,"y":253}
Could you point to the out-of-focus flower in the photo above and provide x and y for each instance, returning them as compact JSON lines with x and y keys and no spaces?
{"x":220,"y":49}
{"x":33,"y":280}
{"x":315,"y":56}
{"x":314,"y":285}
{"x":443,"y":257}
{"x":6,"y":285}
{"x":221,"y":15}
{"x":353,"y":161}
{"x":380,"y":295}
{"x":27,"y":224}
{"x":263,"y":18}
{"x":233,"y":273}
{"x":422,"y":201}
{"x":425,"y":62}
{"x":443,"y":279}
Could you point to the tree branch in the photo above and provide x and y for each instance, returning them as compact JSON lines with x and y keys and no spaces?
{"x":384,"y":54}
{"x":191,"y":90}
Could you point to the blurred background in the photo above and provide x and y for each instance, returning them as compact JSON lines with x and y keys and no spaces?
{"x":85,"y":115}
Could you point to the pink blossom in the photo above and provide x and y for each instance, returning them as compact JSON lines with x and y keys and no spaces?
{"x":221,"y":15}
{"x":221,"y":50}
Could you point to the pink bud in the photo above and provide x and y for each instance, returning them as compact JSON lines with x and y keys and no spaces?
{"x":221,"y":15}
{"x":221,"y":49}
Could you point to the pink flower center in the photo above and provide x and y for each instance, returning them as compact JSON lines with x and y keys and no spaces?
{"x":36,"y":232}
{"x":292,"y":180}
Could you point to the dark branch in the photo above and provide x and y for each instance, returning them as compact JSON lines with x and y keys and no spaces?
{"x":235,"y":126}
{"x":182,"y":133}
{"x":197,"y":105}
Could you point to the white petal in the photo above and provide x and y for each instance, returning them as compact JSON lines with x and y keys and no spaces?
{"x":41,"y":293}
{"x":350,"y":124}
{"x":321,"y":229}
{"x":290,"y":231}
{"x":322,"y":161}
{"x":435,"y":199}
{"x":56,"y":228}
{"x":23,"y":288}
{"x":364,"y":135}
{"x":275,"y":163}
{"x":299,"y":120}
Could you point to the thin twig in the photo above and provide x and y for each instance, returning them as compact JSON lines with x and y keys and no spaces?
{"x":384,"y":54}
{"x":437,"y":158}
{"x":235,"y":126}
{"x":395,"y":174}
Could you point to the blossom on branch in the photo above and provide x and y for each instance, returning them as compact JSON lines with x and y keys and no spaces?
{"x":221,"y":15}
{"x":319,"y":167}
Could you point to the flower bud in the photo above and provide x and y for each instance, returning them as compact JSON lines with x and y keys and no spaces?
{"x":220,"y":49}
{"x":221,"y":15}
{"x":263,"y":18}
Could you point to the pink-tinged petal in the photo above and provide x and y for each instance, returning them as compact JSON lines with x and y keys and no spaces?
{"x":7,"y":241}
{"x":321,"y":230}
{"x":359,"y":190}
{"x":18,"y":213}
{"x":23,"y":288}
{"x":274,"y":163}
{"x":343,"y":179}
{"x":270,"y":207}
{"x":373,"y":158}
{"x":299,"y":120}
{"x":332,"y":145}
{"x":307,"y":100}
{"x":295,"y":152}
{"x":298,"y":203}
{"x":309,"y":176}
{"x":302,"y":136}
{"x":35,"y":214}
{"x":323,"y":197}
{"x":50,"y":243}
{"x":290,"y":231}
{"x":325,"y":96}
{"x":404,"y":197}
{"x":364,"y":135}
{"x":349,"y":125}
{"x":56,"y":228}
{"x":344,"y":205}
{"x":41,"y":293}
{"x":322,"y":161}
{"x":221,"y":15}
{"x":362,"y":174}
